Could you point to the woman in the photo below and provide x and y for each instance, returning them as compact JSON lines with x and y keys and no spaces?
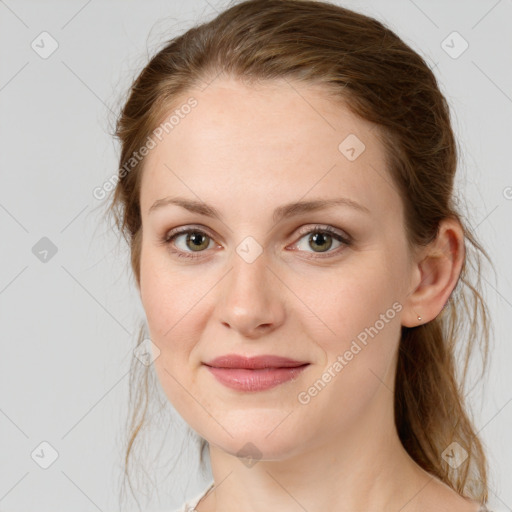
{"x":286,"y":189}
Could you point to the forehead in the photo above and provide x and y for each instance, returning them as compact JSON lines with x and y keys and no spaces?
{"x":275,"y":142}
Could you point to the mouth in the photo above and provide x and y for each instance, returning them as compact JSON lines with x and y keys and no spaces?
{"x":254,"y":363}
{"x":254,"y":374}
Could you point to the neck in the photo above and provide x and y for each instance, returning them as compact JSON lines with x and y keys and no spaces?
{"x":362,"y":468}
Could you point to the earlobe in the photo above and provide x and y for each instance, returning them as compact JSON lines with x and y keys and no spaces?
{"x":438,"y":271}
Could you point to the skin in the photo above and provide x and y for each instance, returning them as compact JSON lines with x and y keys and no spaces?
{"x":247,"y":150}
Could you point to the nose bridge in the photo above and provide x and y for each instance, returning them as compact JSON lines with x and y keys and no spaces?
{"x":248,"y":285}
{"x":249,"y":295}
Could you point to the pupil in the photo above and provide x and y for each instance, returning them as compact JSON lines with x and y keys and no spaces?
{"x":196,"y":239}
{"x":322,"y":236}
{"x":318,"y":238}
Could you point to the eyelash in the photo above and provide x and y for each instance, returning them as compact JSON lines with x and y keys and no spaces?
{"x":168,"y":238}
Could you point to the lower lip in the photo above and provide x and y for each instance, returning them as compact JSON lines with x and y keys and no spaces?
{"x":254,"y":380}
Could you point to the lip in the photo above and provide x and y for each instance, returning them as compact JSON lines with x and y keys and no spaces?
{"x":254,"y":363}
{"x":254,"y":373}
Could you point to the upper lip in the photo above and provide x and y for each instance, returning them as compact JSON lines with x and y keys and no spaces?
{"x":253,"y":363}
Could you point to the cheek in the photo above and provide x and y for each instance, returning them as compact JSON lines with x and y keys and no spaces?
{"x":177,"y":311}
{"x":165,"y":297}
{"x":363,"y":320}
{"x":357,"y":297}
{"x":363,"y":316}
{"x":171,"y":305}
{"x":165,"y":293}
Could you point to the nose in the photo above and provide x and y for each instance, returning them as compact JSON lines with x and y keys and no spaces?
{"x":251,"y":298}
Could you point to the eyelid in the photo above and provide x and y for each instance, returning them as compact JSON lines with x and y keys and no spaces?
{"x":169,"y":237}
{"x":325,"y":228}
{"x":186,"y":229}
{"x":341,"y":236}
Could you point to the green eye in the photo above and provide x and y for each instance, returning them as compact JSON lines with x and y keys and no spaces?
{"x":197,"y":241}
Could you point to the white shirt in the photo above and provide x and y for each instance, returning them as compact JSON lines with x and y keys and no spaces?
{"x":189,"y":505}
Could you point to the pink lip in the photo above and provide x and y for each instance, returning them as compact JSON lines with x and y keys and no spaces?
{"x":254,"y":373}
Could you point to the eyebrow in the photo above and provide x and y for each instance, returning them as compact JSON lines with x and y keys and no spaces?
{"x":282,"y":212}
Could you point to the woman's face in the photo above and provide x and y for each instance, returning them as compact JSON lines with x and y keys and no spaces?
{"x":258,"y":282}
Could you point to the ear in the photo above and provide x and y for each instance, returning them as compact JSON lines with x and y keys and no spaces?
{"x":436,"y":271}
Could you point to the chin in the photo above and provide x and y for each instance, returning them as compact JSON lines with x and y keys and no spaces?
{"x":266,"y":443}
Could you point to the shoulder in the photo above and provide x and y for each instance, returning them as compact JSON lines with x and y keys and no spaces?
{"x":438,"y":496}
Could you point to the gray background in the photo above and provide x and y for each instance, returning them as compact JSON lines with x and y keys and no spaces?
{"x":69,"y":323}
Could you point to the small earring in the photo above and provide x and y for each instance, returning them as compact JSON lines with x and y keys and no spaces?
{"x":419,"y":318}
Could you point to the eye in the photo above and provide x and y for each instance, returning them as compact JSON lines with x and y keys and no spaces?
{"x":321,"y":238}
{"x":197,"y":241}
{"x":194,"y":239}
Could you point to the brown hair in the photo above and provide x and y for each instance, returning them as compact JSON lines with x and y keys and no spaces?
{"x":357,"y":59}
